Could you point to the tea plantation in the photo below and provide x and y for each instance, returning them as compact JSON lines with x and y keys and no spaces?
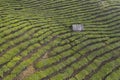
{"x":37,"y":41}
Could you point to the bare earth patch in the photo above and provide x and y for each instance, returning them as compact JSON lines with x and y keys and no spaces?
{"x":30,"y":70}
{"x":45,"y":56}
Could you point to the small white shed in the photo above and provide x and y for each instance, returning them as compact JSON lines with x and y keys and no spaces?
{"x":77,"y":27}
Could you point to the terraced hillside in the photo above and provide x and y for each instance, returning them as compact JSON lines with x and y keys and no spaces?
{"x":37,"y":42}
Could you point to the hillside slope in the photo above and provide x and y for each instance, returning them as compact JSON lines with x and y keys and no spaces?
{"x":37,"y":42}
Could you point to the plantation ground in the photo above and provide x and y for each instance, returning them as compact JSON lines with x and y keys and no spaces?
{"x":37,"y":42}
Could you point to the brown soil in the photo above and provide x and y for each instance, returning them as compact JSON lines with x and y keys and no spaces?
{"x":27,"y":72}
{"x":45,"y":56}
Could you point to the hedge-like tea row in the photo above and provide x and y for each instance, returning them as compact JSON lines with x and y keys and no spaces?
{"x":37,"y":41}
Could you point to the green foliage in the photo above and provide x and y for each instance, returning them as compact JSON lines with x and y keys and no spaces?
{"x":39,"y":33}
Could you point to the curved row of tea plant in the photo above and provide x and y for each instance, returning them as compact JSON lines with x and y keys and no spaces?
{"x":37,"y":42}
